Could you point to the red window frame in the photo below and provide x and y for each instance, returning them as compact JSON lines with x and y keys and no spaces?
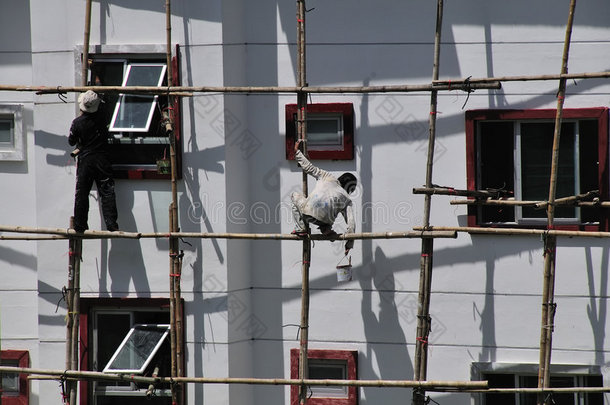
{"x":350,"y":356}
{"x":347,"y":112}
{"x":23,"y":360}
{"x":86,"y":304}
{"x":598,"y":113}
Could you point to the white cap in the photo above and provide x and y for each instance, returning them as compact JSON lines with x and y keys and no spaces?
{"x":88,"y":101}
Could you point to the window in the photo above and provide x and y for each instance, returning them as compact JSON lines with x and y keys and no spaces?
{"x":525,"y":376}
{"x":510,"y":150}
{"x":327,"y":365}
{"x":138,"y":142}
{"x":330,"y":131}
{"x":15,"y":387}
{"x":12,"y":139}
{"x":125,"y":336}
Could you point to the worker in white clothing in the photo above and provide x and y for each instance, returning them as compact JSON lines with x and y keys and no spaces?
{"x":329,"y":197}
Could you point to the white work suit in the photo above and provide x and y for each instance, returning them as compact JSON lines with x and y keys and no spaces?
{"x":324,"y":202}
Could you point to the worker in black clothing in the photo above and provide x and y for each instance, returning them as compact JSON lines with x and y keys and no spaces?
{"x":90,"y":135}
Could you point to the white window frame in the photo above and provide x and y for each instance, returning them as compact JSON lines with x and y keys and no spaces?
{"x":578,"y":372}
{"x":13,"y":150}
{"x":122,"y":97}
{"x":518,"y":178}
{"x":123,"y":345}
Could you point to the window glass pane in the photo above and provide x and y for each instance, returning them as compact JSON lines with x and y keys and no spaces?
{"x":500,"y":381}
{"x":322,"y":369}
{"x":6,"y":131}
{"x":111,"y":330}
{"x":536,"y":154}
{"x":138,"y":348}
{"x":324,"y":132}
{"x":496,"y":162}
{"x":10,"y":381}
{"x":589,"y":161}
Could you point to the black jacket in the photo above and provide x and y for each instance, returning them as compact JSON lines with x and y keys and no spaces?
{"x":90,"y":133}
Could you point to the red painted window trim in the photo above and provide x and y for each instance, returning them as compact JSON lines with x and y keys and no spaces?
{"x":23,"y":361}
{"x":351,"y":356}
{"x":345,"y":109}
{"x":599,"y":113}
{"x":86,"y":304}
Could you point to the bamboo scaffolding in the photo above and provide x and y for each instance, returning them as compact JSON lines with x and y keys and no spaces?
{"x":64,"y":233}
{"x":427,"y":246}
{"x":550,"y":241}
{"x":185,"y":90}
{"x":435,"y":385}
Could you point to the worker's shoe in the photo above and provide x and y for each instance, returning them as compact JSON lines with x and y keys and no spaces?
{"x":299,"y":233}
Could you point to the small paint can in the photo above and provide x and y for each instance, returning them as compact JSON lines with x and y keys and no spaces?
{"x":344,"y":271}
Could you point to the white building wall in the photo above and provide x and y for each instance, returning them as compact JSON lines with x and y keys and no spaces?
{"x":241,"y":297}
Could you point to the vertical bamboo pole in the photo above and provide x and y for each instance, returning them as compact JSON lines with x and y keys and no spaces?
{"x":69,"y":293}
{"x":85,"y":61}
{"x":302,"y":134}
{"x":176,"y":332}
{"x":550,"y":245}
{"x":425,"y":279}
{"x":78,"y":248}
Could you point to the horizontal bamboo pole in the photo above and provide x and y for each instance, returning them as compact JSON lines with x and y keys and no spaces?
{"x":562,"y":390}
{"x":522,"y":78}
{"x":181,"y":90}
{"x":454,"y":192}
{"x":96,"y":375}
{"x":518,"y":231}
{"x":513,"y":202}
{"x":211,"y":235}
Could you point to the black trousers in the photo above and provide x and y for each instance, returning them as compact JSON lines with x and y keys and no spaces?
{"x":94,"y":168}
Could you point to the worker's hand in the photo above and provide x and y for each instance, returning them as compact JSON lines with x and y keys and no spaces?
{"x":297,"y":145}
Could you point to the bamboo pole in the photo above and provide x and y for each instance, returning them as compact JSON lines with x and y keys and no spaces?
{"x":75,"y":312}
{"x":513,"y":202}
{"x":518,"y":231}
{"x":548,"y":304}
{"x":427,"y":250}
{"x":96,"y":375}
{"x":69,"y":294}
{"x":306,"y":250}
{"x":224,"y":235}
{"x":456,"y":192}
{"x":185,"y":90}
{"x":85,"y":57}
{"x":524,"y":78}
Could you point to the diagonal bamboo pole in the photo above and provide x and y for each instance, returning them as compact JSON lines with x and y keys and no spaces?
{"x":548,"y":304}
{"x":425,"y":278}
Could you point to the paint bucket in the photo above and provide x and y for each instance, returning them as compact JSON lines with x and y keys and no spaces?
{"x":344,"y":271}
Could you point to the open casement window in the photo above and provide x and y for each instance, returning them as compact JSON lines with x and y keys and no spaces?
{"x":137,"y":349}
{"x":133,"y":113}
{"x":125,"y":336}
{"x":327,"y":365}
{"x":511,"y":151}
{"x":509,"y":375}
{"x":330,"y":131}
{"x":138,"y":143}
{"x":15,"y":387}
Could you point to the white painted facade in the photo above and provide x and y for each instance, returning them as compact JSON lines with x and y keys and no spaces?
{"x":486,"y":289}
